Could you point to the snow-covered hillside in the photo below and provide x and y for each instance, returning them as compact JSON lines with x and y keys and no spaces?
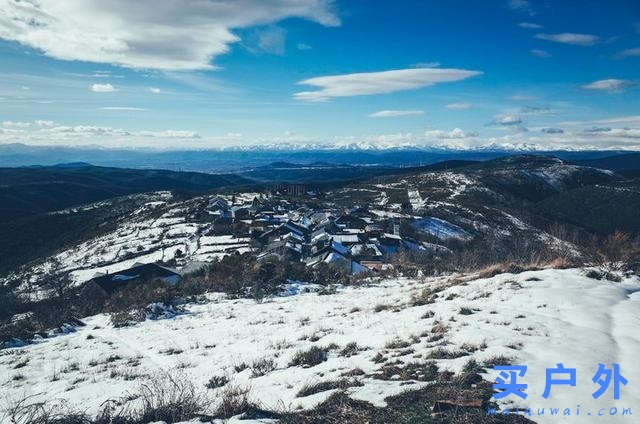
{"x":535,"y":318}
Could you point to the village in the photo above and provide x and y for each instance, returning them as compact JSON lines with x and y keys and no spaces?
{"x":288,"y":223}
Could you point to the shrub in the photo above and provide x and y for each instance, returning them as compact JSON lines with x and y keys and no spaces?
{"x":312,"y":389}
{"x":397,"y":343}
{"x":170,"y":398}
{"x":351,"y":349}
{"x":216,"y":382}
{"x":442,"y":353}
{"x":234,"y":400}
{"x":309,"y":358}
{"x":262,"y":366}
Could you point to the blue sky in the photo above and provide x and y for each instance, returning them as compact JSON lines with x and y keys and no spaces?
{"x":183,"y":74}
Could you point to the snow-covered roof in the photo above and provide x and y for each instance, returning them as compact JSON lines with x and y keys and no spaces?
{"x":345,"y":238}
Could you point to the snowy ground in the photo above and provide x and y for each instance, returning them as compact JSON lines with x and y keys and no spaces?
{"x":539,"y":319}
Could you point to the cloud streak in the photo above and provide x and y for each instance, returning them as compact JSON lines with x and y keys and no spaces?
{"x":529,"y":25}
{"x":394,"y":113}
{"x":611,"y":85}
{"x":523,"y":6}
{"x":570,"y":38}
{"x":103,"y":88}
{"x":125,"y":108}
{"x":635,"y":52}
{"x":540,"y":53}
{"x":362,"y":84}
{"x":458,"y":106}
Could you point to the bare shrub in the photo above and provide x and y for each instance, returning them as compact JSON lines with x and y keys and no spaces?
{"x":616,"y":250}
{"x":262,"y":366}
{"x":397,"y":343}
{"x":309,"y":358}
{"x":313,"y":388}
{"x":216,"y":382}
{"x":442,"y":353}
{"x":170,"y":397}
{"x":351,"y":349}
{"x":234,"y":400}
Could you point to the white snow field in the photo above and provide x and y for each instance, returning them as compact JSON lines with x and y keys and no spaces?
{"x":538,"y":318}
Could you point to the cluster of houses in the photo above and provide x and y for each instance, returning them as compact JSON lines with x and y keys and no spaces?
{"x":357,"y":238}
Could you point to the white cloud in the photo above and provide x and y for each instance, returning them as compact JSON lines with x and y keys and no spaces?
{"x":155,"y":90}
{"x":78,"y":135}
{"x":168,"y":134}
{"x":458,"y":106}
{"x":392,"y":113}
{"x":506,"y":120}
{"x":540,"y":53}
{"x":123,"y":108}
{"x":44,"y":123}
{"x":303,"y":46}
{"x":612,"y":85}
{"x":570,"y":38}
{"x":13,"y":124}
{"x":530,"y":25}
{"x":456,"y":133}
{"x":628,"y":53}
{"x":11,"y":132}
{"x":103,"y":88}
{"x":169,"y":35}
{"x":361,"y":84}
{"x":620,"y":119}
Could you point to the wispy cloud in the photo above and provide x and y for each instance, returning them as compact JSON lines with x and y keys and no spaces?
{"x":13,"y":124}
{"x":394,"y":113}
{"x":612,"y":85}
{"x":303,"y":46}
{"x":540,"y":53}
{"x":534,"y":110}
{"x":155,"y":90}
{"x":271,"y":40}
{"x":506,"y":120}
{"x":458,"y":106}
{"x":635,"y":52}
{"x":632,"y":119}
{"x":570,"y":38}
{"x":136,"y":109}
{"x":523,"y":6}
{"x":522,"y":97}
{"x":361,"y":84}
{"x":168,"y":35}
{"x":103,"y":88}
{"x":530,"y":25}
{"x":426,"y":65}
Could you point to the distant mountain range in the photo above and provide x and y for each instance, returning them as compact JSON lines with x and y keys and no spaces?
{"x":246,"y":158}
{"x":36,"y":189}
